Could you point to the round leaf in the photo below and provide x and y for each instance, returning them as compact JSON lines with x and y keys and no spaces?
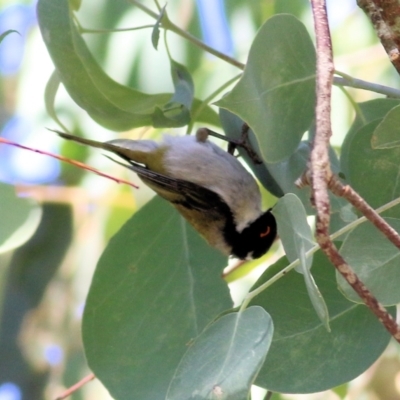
{"x":375,"y":260}
{"x":224,"y":359}
{"x":373,"y":173}
{"x":276,"y":94}
{"x":370,"y":110}
{"x":157,"y":285}
{"x":304,"y":357}
{"x":387,"y":133}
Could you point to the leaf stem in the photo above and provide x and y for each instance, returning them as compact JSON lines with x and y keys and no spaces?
{"x":347,"y":80}
{"x":114,"y":30}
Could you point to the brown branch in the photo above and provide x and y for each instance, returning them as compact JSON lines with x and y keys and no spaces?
{"x":320,"y":172}
{"x":76,"y":387}
{"x":69,"y":161}
{"x":319,"y":158}
{"x":384,"y":15}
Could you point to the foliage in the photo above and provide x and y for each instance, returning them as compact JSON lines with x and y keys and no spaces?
{"x":159,"y":322}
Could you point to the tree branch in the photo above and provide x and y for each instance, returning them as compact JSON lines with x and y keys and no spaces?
{"x":320,"y":172}
{"x":384,"y":15}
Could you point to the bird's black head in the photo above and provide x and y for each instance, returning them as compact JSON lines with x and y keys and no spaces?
{"x":255,"y":240}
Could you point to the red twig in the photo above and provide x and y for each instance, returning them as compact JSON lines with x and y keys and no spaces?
{"x":76,"y":387}
{"x":321,"y":173}
{"x":69,"y":161}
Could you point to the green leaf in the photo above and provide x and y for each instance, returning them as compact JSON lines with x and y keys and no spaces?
{"x":224,"y":360}
{"x":50,"y":97}
{"x":370,"y":111}
{"x":276,"y":94}
{"x":178,"y":108}
{"x":155,"y":34}
{"x":297,"y":239}
{"x":374,"y":174}
{"x":317,"y":300}
{"x":304,"y":357}
{"x":375,"y":260}
{"x":109,"y":103}
{"x":183,"y":84}
{"x":387,"y":133}
{"x":156,"y":286}
{"x":31,"y":268}
{"x":293,"y":229}
{"x":19,"y":218}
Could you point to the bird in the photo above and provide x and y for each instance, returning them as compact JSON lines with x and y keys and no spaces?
{"x":208,"y":186}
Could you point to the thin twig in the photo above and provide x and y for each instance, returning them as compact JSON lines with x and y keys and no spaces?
{"x":346,"y":80}
{"x":321,"y":173}
{"x":76,"y":387}
{"x":69,"y":161}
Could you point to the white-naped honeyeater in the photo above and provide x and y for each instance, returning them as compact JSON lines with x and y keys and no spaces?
{"x":207,"y":185}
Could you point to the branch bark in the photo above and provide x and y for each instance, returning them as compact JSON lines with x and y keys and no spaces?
{"x":384,"y":15}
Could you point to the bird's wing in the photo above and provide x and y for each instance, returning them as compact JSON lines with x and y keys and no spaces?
{"x":179,"y":191}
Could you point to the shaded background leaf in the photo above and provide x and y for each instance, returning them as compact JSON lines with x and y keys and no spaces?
{"x":19,"y":218}
{"x":30,"y":269}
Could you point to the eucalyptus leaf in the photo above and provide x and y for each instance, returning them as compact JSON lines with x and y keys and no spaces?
{"x":50,"y":97}
{"x":369,"y":111}
{"x":375,"y":260}
{"x":297,"y":239}
{"x":178,"y":108}
{"x":374,"y":174}
{"x":304,"y":357}
{"x":224,"y":360}
{"x":19,"y":218}
{"x":387,"y":133}
{"x":276,"y":94}
{"x":155,"y":34}
{"x":317,"y":300}
{"x":109,"y":103}
{"x":293,"y":229}
{"x":156,"y":287}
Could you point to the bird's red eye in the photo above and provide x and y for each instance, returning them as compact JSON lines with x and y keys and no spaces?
{"x":265,"y":233}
